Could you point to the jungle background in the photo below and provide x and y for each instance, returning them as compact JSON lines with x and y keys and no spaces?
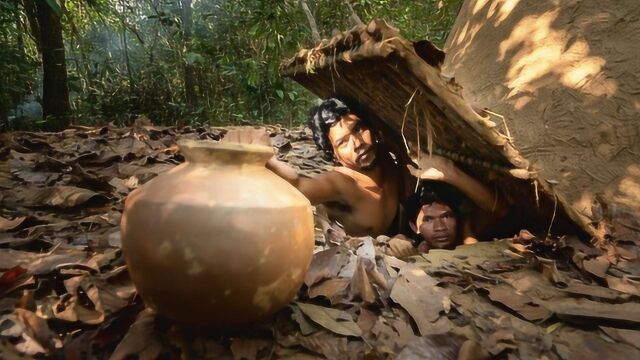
{"x":176,"y":61}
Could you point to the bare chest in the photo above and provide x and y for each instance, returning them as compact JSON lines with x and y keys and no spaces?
{"x":367,"y":209}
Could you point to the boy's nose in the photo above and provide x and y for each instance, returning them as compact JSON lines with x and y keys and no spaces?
{"x":439,"y":224}
{"x":357,"y":141}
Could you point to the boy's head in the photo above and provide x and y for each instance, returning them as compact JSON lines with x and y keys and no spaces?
{"x":342,"y":135}
{"x":437,"y":217}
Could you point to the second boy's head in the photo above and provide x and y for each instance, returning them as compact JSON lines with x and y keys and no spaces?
{"x":437,"y":220}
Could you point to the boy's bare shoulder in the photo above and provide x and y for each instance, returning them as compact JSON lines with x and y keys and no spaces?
{"x":341,"y":177}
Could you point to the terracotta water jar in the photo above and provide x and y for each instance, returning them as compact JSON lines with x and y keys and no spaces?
{"x":219,"y":239}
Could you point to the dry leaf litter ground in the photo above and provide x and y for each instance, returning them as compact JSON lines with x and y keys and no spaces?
{"x":66,"y":292}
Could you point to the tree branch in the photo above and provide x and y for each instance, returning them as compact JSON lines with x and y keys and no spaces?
{"x":312,"y":22}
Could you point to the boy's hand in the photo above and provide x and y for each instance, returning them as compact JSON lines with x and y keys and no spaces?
{"x":247,"y":135}
{"x":436,"y":168}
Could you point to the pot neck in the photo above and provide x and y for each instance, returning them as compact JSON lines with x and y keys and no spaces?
{"x":212,"y":153}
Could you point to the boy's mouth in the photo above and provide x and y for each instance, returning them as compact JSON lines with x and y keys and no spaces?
{"x":441,"y":239}
{"x":364,"y":155}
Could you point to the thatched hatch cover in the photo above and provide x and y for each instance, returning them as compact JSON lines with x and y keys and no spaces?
{"x":400,"y":86}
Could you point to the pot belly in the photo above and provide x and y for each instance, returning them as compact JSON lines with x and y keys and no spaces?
{"x":215,"y":264}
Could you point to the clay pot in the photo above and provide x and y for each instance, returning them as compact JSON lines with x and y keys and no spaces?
{"x":219,"y":239}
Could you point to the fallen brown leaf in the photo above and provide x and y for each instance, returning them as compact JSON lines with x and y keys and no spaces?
{"x":333,"y":289}
{"x":334,"y":320}
{"x":248,"y":348}
{"x":627,"y":336}
{"x":597,"y":266}
{"x":419,"y":295}
{"x":140,"y":340}
{"x":583,"y":310}
{"x":440,"y":347}
{"x":63,"y":196}
{"x":325,"y":264}
{"x":6,"y":224}
{"x":520,"y":303}
{"x":361,"y":285}
{"x":306,"y":326}
{"x":624,"y":285}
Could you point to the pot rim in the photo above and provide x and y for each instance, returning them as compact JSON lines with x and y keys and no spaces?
{"x":227,"y":146}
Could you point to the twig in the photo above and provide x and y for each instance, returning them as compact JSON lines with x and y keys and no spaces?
{"x":535,"y":187}
{"x":504,"y":122}
{"x":604,"y":181}
{"x":553,"y":217}
{"x":404,"y":118}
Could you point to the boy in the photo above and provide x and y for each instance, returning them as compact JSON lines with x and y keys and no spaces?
{"x":451,"y":208}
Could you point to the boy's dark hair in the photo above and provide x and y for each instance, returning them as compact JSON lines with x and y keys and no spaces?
{"x":430,"y":192}
{"x":321,"y":118}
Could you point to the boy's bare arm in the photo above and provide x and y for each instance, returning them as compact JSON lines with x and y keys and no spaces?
{"x":318,"y":189}
{"x":438,"y":168}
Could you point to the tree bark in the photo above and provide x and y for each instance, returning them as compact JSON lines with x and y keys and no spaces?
{"x":355,"y":19}
{"x":188,"y":71}
{"x":32,"y":16}
{"x":55,"y":90}
{"x":312,"y":21}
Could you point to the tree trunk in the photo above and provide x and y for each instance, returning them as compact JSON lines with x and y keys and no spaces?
{"x":32,"y":16}
{"x":188,"y":71}
{"x":355,"y":19}
{"x":312,"y":21}
{"x":55,"y":91}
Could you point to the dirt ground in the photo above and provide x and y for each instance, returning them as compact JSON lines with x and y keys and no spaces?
{"x":66,"y":292}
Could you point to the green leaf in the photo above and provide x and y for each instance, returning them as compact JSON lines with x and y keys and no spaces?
{"x":53,"y":4}
{"x":192,"y":58}
{"x":280,"y":94}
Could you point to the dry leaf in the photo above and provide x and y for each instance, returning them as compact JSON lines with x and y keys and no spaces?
{"x":419,"y":295}
{"x":246,"y":348}
{"x":361,"y":285}
{"x":577,"y":288}
{"x":6,"y":224}
{"x":366,"y":321}
{"x":306,"y":327}
{"x":627,"y":336}
{"x":597,"y":266}
{"x":140,"y":340}
{"x":334,"y":320}
{"x":624,"y":285}
{"x":63,"y":196}
{"x":332,"y":289}
{"x":520,"y":303}
{"x":325,"y":264}
{"x":581,"y":310}
{"x":570,"y":343}
{"x":325,"y":343}
{"x":440,"y":347}
{"x":39,"y":329}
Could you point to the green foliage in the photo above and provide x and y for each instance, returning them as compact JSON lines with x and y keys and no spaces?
{"x":127,"y":57}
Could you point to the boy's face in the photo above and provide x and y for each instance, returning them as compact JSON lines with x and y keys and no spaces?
{"x":353,"y":143}
{"x":437,"y":225}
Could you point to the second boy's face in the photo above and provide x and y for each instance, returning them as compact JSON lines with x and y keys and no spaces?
{"x":438,"y":225}
{"x":353,"y":143}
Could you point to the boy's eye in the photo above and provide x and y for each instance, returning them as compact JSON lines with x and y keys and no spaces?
{"x":427,"y":219}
